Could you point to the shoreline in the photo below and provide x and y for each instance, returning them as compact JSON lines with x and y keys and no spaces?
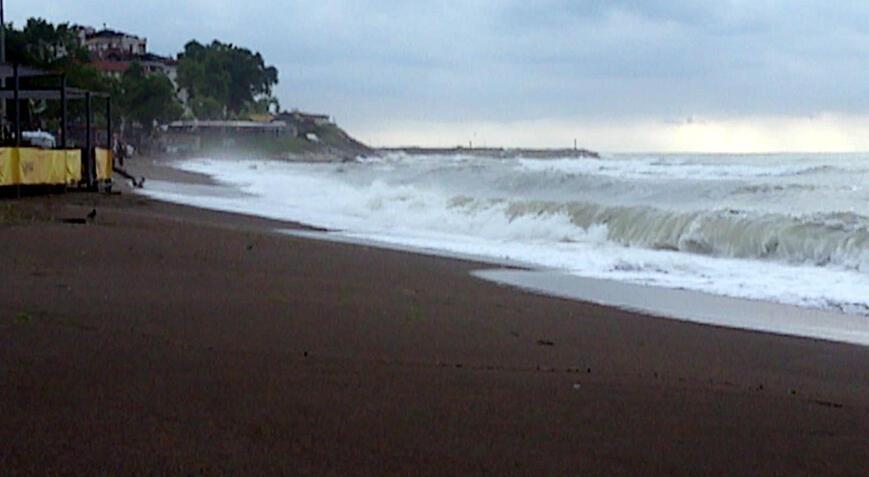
{"x":689,"y":306}
{"x":694,"y":306}
{"x":167,"y":339}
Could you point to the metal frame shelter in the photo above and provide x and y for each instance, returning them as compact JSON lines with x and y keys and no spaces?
{"x":90,"y":176}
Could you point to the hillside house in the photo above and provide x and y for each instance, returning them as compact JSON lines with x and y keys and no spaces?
{"x":105,"y":42}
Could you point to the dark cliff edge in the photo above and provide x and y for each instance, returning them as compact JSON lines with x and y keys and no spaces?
{"x":336,"y":142}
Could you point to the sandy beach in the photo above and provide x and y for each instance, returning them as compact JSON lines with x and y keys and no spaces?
{"x":161,"y":339}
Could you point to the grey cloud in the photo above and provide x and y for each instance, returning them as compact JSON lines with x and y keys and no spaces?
{"x":516,"y":60}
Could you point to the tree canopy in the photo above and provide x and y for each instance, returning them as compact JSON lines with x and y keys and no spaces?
{"x":139,"y":98}
{"x":222,"y":80}
{"x":147,"y":99}
{"x":55,"y":48}
{"x":44,"y":45}
{"x":227,"y":75}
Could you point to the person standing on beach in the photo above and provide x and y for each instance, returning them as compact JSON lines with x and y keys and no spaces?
{"x":120,"y":152}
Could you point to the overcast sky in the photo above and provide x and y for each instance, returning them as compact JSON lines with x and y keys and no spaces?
{"x":624,"y":75}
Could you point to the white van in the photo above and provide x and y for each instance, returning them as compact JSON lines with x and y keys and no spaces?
{"x":39,"y":139}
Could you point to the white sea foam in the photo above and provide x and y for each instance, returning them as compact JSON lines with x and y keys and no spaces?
{"x":786,"y":229}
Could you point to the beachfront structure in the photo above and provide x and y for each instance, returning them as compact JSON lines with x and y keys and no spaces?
{"x":23,"y":162}
{"x":193,"y":136}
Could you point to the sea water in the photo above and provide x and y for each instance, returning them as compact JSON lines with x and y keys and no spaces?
{"x":790,"y":229}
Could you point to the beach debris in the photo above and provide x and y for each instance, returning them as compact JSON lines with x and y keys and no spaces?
{"x":577,"y":386}
{"x":834,"y":405}
{"x":514,"y":334}
{"x":81,"y":221}
{"x":22,"y":318}
{"x":545,"y":343}
{"x":249,"y":247}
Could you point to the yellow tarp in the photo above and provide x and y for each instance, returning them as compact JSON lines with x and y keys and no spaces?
{"x":73,"y":166}
{"x":29,"y":166}
{"x":8,"y":166}
{"x":103,"y":164}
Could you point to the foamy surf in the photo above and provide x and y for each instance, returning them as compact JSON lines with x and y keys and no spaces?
{"x":782,"y":229}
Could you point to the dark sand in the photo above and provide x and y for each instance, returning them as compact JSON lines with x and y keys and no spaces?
{"x":165,"y":339}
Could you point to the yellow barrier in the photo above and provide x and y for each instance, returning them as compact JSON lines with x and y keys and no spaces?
{"x":103,"y":164}
{"x":30,"y":166}
{"x":8,"y":166}
{"x":73,"y":166}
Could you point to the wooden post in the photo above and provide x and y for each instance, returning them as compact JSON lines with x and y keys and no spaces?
{"x":17,"y":86}
{"x":109,"y":123}
{"x":63,"y":102}
{"x":89,"y":158}
{"x":2,"y":78}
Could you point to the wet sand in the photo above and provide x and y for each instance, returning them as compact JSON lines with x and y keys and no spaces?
{"x":166,"y":339}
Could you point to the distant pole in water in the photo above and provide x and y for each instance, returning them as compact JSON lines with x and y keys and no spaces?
{"x":574,"y":144}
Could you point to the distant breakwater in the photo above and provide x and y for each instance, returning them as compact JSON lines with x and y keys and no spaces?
{"x":506,"y":153}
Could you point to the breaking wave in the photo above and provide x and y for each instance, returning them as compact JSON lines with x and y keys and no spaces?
{"x":784,"y":229}
{"x":839,"y":239}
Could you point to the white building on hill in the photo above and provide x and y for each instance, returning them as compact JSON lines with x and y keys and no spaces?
{"x":104,"y":42}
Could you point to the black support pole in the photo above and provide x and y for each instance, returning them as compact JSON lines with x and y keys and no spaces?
{"x":88,"y":155}
{"x":17,"y":86}
{"x":63,"y":111}
{"x":109,"y":123}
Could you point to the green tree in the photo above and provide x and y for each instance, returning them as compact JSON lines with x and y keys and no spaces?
{"x":206,"y":107}
{"x":54,"y":48}
{"x":263,"y":105}
{"x":220,"y":72}
{"x":147,"y":99}
{"x":43,"y":45}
